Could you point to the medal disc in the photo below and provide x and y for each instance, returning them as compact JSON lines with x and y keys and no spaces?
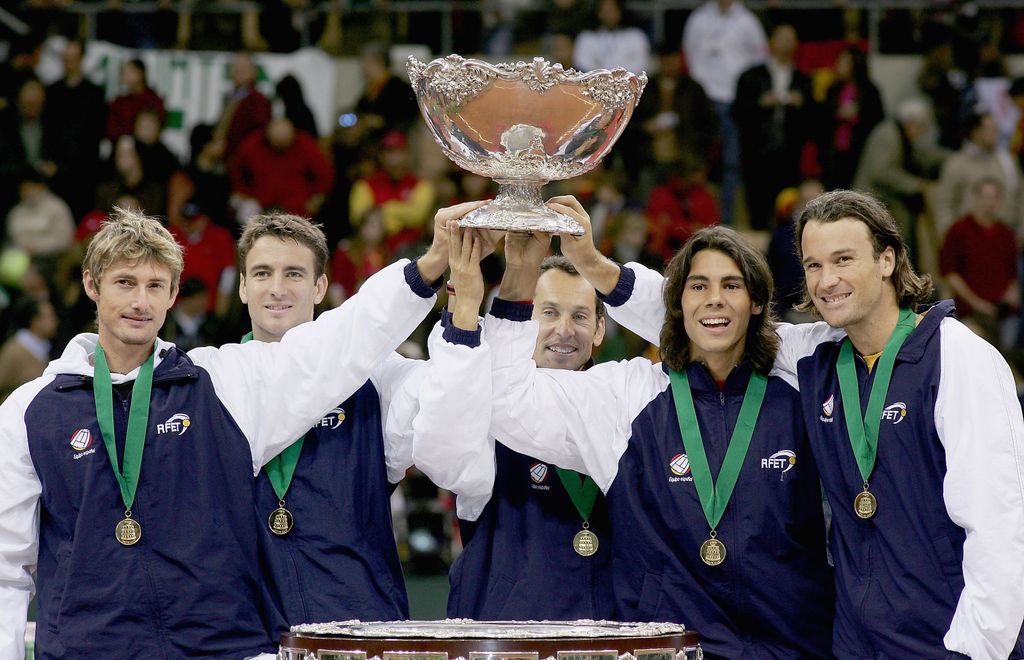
{"x":128,"y":532}
{"x":280,"y":521}
{"x":865,"y":504}
{"x":585,"y":543}
{"x":712,"y":552}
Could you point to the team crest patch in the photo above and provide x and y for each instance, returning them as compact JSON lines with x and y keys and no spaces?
{"x":177,"y":423}
{"x":538,"y":472}
{"x":827,"y":408}
{"x":81,"y":439}
{"x":894,"y":413}
{"x":680,"y":465}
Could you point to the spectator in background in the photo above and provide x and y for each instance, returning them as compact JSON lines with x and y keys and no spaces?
{"x":979,"y":261}
{"x":1016,"y":93}
{"x":136,"y":96}
{"x":990,"y":93}
{"x":20,"y":64}
{"x":41,"y":223}
{"x":130,"y":178}
{"x":680,"y":206}
{"x":783,"y":261}
{"x":900,"y":163}
{"x":404,"y":200}
{"x":289,"y":92}
{"x":26,"y":353}
{"x":611,"y":42}
{"x":189,"y":324}
{"x":280,"y":168}
{"x":674,"y":116}
{"x":358,"y":258}
{"x":773,"y":111}
{"x":209,"y":255}
{"x":944,"y":83}
{"x":207,"y":172}
{"x":158,"y":162}
{"x":853,"y":107}
{"x":387,"y":103}
{"x":979,"y":158}
{"x":25,"y":142}
{"x":247,"y":111}
{"x":721,"y":40}
{"x":626,"y":240}
{"x":566,"y":17}
{"x":76,"y":116}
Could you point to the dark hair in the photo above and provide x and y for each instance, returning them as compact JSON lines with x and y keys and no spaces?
{"x":560,"y":263}
{"x":191,"y":287}
{"x":973,"y":121}
{"x":140,"y":66}
{"x":761,"y":342}
{"x":911,"y":288}
{"x":24,"y":311}
{"x":285,"y":226}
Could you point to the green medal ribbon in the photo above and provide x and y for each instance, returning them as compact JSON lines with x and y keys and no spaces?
{"x":714,"y":497}
{"x":281,"y":468}
{"x":582,"y":491}
{"x":127,"y":472}
{"x":864,"y":431}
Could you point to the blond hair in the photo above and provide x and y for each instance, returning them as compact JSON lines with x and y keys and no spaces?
{"x":130,"y":235}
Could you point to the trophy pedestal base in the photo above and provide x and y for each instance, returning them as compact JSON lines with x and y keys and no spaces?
{"x":519,"y":207}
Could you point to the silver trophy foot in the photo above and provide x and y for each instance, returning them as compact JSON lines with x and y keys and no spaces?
{"x":519,"y":207}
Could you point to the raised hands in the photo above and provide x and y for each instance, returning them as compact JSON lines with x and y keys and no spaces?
{"x":601,"y":272}
{"x":433,"y":264}
{"x":466,"y":247}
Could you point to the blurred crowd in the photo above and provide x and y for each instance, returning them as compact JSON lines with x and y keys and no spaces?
{"x":746,"y":117}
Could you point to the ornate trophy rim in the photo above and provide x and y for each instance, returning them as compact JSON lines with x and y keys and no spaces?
{"x":540,"y":74}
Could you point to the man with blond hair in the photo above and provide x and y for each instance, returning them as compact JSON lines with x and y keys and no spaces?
{"x":154,"y":556}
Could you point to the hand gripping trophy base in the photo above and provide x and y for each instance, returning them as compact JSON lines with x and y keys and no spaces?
{"x":519,"y":207}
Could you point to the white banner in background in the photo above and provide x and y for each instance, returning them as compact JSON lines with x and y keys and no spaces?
{"x":195,"y":84}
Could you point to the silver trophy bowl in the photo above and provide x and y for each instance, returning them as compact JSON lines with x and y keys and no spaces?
{"x":522,"y":125}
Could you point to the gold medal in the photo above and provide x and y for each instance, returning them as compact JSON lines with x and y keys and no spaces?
{"x":865,"y":504}
{"x":128,"y":532}
{"x":280,"y":520}
{"x":585,"y":542}
{"x":712,"y":551}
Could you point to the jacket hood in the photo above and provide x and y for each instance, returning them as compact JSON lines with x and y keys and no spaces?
{"x":76,"y":360}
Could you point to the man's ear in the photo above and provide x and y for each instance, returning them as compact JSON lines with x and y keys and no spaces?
{"x":91,"y":286}
{"x":241,"y":289}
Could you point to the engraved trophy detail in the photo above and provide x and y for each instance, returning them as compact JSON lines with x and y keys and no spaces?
{"x":523,"y":124}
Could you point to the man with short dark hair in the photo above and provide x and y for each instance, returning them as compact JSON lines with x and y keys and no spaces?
{"x":527,"y":532}
{"x":323,"y":505}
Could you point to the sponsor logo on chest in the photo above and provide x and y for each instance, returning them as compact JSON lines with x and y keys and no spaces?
{"x":781,"y":461}
{"x":331,"y":420}
{"x":176,"y":424}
